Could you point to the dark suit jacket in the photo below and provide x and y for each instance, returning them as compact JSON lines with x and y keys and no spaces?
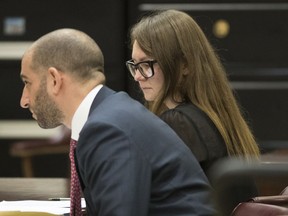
{"x":132,"y":164}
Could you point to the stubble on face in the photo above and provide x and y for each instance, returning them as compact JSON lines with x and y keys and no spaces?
{"x":46,"y":110}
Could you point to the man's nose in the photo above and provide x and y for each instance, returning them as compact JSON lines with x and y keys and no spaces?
{"x":24,"y":101}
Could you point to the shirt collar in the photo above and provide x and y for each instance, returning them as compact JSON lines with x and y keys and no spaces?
{"x":81,"y":115}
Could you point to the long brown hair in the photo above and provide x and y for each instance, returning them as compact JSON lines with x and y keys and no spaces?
{"x":192,"y":69}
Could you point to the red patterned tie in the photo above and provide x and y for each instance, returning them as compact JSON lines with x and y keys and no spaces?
{"x":75,"y":188}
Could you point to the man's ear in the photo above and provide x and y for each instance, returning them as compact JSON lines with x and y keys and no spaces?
{"x":54,"y":80}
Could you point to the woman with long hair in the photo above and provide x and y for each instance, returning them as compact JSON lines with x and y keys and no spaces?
{"x":185,"y":84}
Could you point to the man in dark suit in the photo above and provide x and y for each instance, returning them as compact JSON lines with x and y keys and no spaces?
{"x":128,"y":161}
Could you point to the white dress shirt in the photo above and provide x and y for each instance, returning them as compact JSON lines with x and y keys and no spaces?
{"x":81,"y":114}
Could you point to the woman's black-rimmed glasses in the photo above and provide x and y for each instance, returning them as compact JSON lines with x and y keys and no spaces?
{"x":145,"y":67}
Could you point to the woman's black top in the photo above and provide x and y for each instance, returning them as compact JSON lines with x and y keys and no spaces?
{"x":198,"y":132}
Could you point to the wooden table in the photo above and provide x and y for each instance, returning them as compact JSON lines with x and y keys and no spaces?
{"x":33,"y":188}
{"x":24,"y":129}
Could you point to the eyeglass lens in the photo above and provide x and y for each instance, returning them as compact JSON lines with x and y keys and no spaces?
{"x":143,"y":67}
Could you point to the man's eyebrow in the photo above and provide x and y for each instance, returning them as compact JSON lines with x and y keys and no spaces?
{"x":22,"y":76}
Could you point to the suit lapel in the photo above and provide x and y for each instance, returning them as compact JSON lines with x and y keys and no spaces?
{"x":102,"y":95}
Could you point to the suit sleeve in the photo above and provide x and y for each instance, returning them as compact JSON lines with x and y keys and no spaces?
{"x":116,"y":176}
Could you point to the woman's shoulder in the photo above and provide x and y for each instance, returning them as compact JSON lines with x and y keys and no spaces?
{"x":188,"y":117}
{"x":184,"y":111}
{"x":172,"y":115}
{"x":189,"y":108}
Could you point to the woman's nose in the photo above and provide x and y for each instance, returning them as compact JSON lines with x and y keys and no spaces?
{"x":138,"y":76}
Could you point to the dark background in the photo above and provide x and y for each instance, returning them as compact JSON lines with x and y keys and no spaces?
{"x":254,"y":54}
